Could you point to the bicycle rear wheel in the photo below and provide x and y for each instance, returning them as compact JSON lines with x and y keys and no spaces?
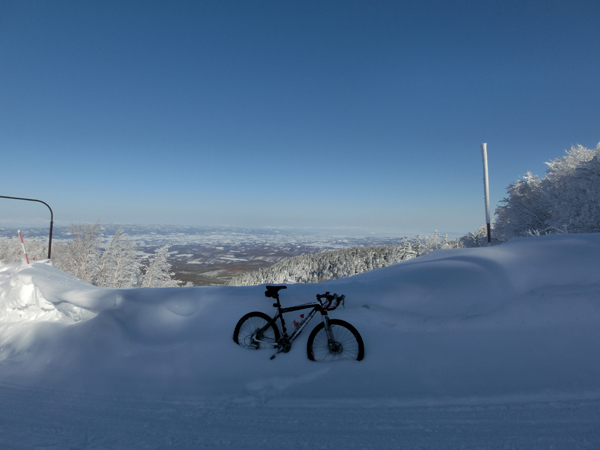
{"x":347,"y":343}
{"x":256,"y":331}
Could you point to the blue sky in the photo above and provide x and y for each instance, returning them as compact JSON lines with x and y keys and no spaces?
{"x":365,"y":114}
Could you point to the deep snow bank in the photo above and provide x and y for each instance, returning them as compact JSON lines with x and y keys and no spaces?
{"x":23,"y":299}
{"x":522,"y":318}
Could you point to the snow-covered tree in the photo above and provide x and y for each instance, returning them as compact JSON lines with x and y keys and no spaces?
{"x":525,"y":209}
{"x":475,"y":239}
{"x":319,"y":267}
{"x":573,"y":187}
{"x":11,"y":250}
{"x":116,"y":264}
{"x":120,"y":263}
{"x":565,"y":200}
{"x":158,"y":272}
{"x":80,"y":257}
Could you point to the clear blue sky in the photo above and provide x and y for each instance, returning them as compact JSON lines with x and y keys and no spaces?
{"x":288,"y":113}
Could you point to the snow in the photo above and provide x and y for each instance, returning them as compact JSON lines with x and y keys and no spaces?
{"x":492,"y":347}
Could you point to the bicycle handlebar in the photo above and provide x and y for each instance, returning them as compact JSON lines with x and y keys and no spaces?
{"x":330,"y":298}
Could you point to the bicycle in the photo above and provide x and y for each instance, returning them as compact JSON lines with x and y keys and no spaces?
{"x":331,"y":340}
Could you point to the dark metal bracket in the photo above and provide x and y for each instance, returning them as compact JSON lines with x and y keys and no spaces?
{"x":51,"y":219}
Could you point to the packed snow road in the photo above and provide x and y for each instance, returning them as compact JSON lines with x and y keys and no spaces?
{"x":46,"y":419}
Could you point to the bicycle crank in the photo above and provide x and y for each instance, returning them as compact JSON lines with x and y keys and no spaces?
{"x":283,"y":346}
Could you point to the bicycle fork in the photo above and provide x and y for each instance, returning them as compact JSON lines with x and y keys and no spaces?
{"x":334,"y":347}
{"x":328,"y":331}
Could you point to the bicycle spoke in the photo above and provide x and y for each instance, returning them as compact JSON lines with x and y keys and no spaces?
{"x":255,"y":331}
{"x":345,"y":345}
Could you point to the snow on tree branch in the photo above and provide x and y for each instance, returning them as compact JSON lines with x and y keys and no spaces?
{"x":116,"y":265}
{"x":565,"y":200}
{"x":316,"y":268}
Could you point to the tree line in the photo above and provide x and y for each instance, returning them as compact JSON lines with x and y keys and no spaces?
{"x":333,"y":264}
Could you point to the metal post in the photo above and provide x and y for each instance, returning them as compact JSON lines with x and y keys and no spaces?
{"x":486,"y":191}
{"x":51,"y":219}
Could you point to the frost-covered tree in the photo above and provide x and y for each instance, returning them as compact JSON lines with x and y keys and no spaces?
{"x":80,"y":256}
{"x":120,"y":263}
{"x":158,"y":272}
{"x":116,"y":264}
{"x":319,"y":267}
{"x":573,"y":189}
{"x":475,"y":239}
{"x":526,"y":208}
{"x":565,"y":200}
{"x":11,"y":250}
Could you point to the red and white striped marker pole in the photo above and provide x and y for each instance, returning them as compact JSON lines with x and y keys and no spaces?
{"x":23,"y":245}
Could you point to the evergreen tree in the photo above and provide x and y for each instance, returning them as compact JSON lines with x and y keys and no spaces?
{"x":157,"y":273}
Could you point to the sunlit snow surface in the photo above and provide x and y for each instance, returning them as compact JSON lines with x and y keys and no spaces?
{"x":482,"y":348}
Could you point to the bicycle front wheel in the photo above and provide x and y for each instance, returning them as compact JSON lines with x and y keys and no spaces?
{"x":347,"y":343}
{"x":256,"y":331}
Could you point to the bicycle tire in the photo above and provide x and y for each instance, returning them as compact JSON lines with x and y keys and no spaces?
{"x":247,"y":327}
{"x":349,"y":343}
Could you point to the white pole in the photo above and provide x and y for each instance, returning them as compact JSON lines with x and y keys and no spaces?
{"x":486,"y":191}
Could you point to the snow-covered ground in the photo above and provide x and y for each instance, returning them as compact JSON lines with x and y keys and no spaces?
{"x":475,"y":348}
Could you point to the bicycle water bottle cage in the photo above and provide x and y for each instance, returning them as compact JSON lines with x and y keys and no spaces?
{"x":273,"y":291}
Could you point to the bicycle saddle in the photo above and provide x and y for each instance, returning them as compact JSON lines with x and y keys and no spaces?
{"x":273,"y":291}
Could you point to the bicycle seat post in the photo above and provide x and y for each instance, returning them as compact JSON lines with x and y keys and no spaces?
{"x":273,"y":292}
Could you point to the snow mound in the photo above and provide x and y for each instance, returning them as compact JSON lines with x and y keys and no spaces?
{"x":37,"y":292}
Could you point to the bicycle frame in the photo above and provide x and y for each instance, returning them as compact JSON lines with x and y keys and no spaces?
{"x":285,"y":342}
{"x":281,"y":311}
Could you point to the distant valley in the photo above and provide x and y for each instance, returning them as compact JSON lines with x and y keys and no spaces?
{"x":209,"y":256}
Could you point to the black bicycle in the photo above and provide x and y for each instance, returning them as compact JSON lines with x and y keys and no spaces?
{"x":331,"y":340}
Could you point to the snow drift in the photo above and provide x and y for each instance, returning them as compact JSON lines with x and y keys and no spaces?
{"x":517,"y":319}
